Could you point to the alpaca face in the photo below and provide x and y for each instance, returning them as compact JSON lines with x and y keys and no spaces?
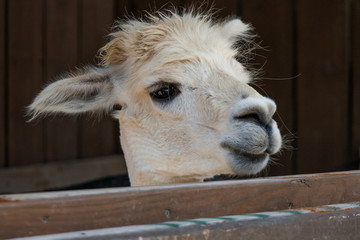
{"x":187,"y":110}
{"x":194,"y":120}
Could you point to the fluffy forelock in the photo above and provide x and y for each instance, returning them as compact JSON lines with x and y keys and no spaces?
{"x":178,"y":33}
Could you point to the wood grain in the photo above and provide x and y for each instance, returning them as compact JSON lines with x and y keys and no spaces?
{"x":327,"y":224}
{"x":3,"y":100}
{"x":277,"y":64}
{"x":45,"y":213}
{"x":96,"y":137}
{"x":25,"y":80}
{"x":323,"y":85}
{"x":61,"y":56}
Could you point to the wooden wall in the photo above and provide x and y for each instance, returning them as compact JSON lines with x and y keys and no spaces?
{"x":311,"y":65}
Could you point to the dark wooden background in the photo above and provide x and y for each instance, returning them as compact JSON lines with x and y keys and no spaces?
{"x":311,"y":65}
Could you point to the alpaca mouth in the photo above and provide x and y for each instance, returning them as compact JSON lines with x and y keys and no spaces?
{"x":253,"y":158}
{"x":245,"y":163}
{"x":248,"y":157}
{"x":249,"y":146}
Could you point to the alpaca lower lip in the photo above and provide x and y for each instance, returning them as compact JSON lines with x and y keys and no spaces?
{"x":244,"y":155}
{"x":246,"y":163}
{"x":252,"y":158}
{"x":248,"y":157}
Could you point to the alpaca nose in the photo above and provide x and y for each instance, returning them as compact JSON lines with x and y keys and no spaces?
{"x":256,"y":109}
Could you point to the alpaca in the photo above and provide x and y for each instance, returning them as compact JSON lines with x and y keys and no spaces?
{"x":184,"y":103}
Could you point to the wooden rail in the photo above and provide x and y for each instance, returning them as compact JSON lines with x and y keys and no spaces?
{"x":331,"y":222}
{"x":57,"y":212}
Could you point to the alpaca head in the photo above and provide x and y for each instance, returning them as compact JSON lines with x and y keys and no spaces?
{"x":184,"y":103}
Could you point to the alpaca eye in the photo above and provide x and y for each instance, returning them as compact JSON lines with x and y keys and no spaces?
{"x":117,"y":107}
{"x":166,"y":92}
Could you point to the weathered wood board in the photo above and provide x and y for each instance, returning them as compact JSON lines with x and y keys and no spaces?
{"x":339,"y":221}
{"x":46,"y":213}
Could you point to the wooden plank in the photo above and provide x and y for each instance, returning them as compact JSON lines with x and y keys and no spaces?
{"x":323,"y":85}
{"x":2,"y":82}
{"x":40,"y":177}
{"x":45,"y":213}
{"x":276,"y":37}
{"x":324,"y":222}
{"x":25,"y":80}
{"x":356,"y":84}
{"x":61,"y":54}
{"x":96,"y":137}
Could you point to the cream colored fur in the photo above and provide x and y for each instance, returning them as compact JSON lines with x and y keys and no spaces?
{"x":216,"y":123}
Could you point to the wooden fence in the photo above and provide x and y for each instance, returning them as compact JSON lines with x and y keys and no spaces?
{"x":59,"y":212}
{"x":312,"y":71}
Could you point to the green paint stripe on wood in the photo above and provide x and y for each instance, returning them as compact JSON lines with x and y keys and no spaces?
{"x":258,"y":215}
{"x":254,"y":216}
{"x":168,"y":224}
{"x":199,"y":222}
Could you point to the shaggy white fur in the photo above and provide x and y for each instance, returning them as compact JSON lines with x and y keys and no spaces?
{"x":187,"y":110}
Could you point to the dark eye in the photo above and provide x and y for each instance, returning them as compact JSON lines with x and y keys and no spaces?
{"x":166,"y":91}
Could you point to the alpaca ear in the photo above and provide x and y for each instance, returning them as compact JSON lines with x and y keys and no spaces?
{"x":88,"y":91}
{"x":235,"y":28}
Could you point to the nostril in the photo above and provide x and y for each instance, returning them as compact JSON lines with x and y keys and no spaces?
{"x":252,"y":117}
{"x":269,"y":129}
{"x":244,"y":96}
